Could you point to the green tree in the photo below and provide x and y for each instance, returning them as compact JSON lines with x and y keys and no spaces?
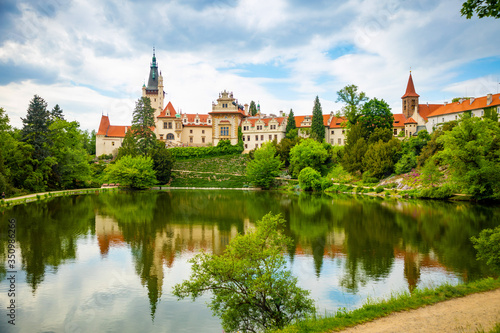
{"x":56,"y":113}
{"x":264,"y":167}
{"x":89,"y":142}
{"x":309,"y":179}
{"x":253,"y":109}
{"x":308,"y":153}
{"x":483,"y":8}
{"x":487,"y":245}
{"x":317,"y":126}
{"x":163,"y":162}
{"x":380,"y":158}
{"x":72,"y":169}
{"x":354,"y":102}
{"x":143,"y":123}
{"x":472,"y":152}
{"x":355,"y":149}
{"x":134,"y":172}
{"x":129,"y":146}
{"x":376,"y":114}
{"x":35,"y":129}
{"x":251,"y":288}
{"x":290,"y":122}
{"x":284,"y":147}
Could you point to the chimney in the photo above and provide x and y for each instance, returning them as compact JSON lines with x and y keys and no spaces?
{"x":246,"y":109}
{"x":445,"y":103}
{"x":281,"y":113}
{"x":489,"y":99}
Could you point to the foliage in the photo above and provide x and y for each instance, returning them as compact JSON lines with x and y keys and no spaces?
{"x":129,"y":146}
{"x":491,"y":113}
{"x":487,"y":245}
{"x":376,"y":114}
{"x":251,"y":288}
{"x":338,"y":174}
{"x":309,"y":179}
{"x":406,"y":163}
{"x":294,"y":133}
{"x":354,"y":102}
{"x":265,"y":166}
{"x":379,"y":189}
{"x":89,"y":141}
{"x":354,"y":150}
{"x":162,"y":162}
{"x":369,"y":179}
{"x":227,"y":164}
{"x":198,"y":179}
{"x":35,"y":129}
{"x":224,"y":147}
{"x":380,"y":158}
{"x":482,"y":8}
{"x":284,"y":147}
{"x":290,"y":122}
{"x":378,"y":134}
{"x":252,"y":109}
{"x":308,"y":153}
{"x":472,"y":152}
{"x":337,"y":153}
{"x":317,"y":126}
{"x":143,"y":123}
{"x":71,"y":169}
{"x":438,"y":192}
{"x":431,"y":174}
{"x":133,"y":172}
{"x":56,"y":113}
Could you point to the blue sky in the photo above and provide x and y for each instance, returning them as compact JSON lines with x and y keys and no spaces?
{"x":92,"y":56}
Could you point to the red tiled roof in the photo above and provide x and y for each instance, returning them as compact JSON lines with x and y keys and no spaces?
{"x":338,"y":122}
{"x":266,"y":120}
{"x":425,"y":110}
{"x":117,"y":131}
{"x":410,"y":121}
{"x":410,"y":89}
{"x":399,"y":120}
{"x":170,"y":108}
{"x":103,"y":126}
{"x":299,"y":120}
{"x":466,"y":105}
{"x":191,"y":117}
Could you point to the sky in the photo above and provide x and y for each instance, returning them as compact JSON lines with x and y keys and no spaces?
{"x":92,"y":56}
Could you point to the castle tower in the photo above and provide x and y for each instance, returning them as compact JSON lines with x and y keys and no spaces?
{"x":410,"y":99}
{"x":154,"y":89}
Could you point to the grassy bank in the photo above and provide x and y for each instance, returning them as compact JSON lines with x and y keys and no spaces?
{"x":223,"y":171}
{"x":400,"y":302}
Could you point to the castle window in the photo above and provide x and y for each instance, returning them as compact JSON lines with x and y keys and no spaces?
{"x":343,"y":131}
{"x":190,"y":139}
{"x":256,"y":138}
{"x":161,"y":136}
{"x":224,"y":131}
{"x":262,"y":138}
{"x":246,"y":146}
{"x":190,"y":131}
{"x":112,"y":143}
{"x":165,"y":125}
{"x":243,"y":138}
{"x":202,"y":139}
{"x":197,"y":121}
{"x":340,"y":142}
{"x":270,"y":137}
{"x":170,"y":136}
{"x":395,"y":131}
{"x":202,"y":131}
{"x":248,"y":138}
{"x":333,"y":132}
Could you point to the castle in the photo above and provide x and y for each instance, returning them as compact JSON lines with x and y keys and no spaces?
{"x":227,"y":115}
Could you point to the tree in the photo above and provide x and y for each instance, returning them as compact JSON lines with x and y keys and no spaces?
{"x":129,"y":146}
{"x":285,"y":146}
{"x":308,"y":153}
{"x":472,"y":152}
{"x":317,"y":125}
{"x":380,"y":158}
{"x":487,"y":245}
{"x":163,"y":162}
{"x":56,"y":113}
{"x":376,"y":114}
{"x":253,"y":109}
{"x":35,"y":129}
{"x":143,"y":123}
{"x":251,"y":288}
{"x":354,"y":150}
{"x":483,"y":8}
{"x":264,"y":167}
{"x":309,"y":179}
{"x":134,"y":172}
{"x":290,"y":122}
{"x":354,"y":102}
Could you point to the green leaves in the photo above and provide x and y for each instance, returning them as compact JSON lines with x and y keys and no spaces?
{"x":265,"y":166}
{"x":308,"y":153}
{"x":483,"y":8}
{"x":251,"y":288}
{"x":133,"y":172}
{"x":354,"y":102}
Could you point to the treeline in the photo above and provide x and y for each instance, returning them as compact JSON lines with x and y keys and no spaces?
{"x":461,"y":156}
{"x":47,"y":153}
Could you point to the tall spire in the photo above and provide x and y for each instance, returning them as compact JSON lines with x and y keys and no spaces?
{"x":410,"y":89}
{"x":153,"y":74}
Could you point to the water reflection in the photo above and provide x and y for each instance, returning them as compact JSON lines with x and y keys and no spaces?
{"x":343,"y":247}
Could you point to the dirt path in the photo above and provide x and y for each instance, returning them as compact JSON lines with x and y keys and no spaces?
{"x":466,"y":314}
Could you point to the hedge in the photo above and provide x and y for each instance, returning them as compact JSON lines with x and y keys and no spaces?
{"x":194,"y":152}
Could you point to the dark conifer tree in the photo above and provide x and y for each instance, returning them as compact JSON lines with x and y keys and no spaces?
{"x":317,"y":126}
{"x":290,"y":123}
{"x":35,"y":129}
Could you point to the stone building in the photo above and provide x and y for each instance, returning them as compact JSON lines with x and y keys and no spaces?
{"x":226,"y":116}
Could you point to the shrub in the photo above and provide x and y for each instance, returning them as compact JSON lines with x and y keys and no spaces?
{"x":224,"y":147}
{"x":368,"y":179}
{"x":379,"y":189}
{"x":134,"y":172}
{"x":308,"y":153}
{"x":438,"y":192}
{"x":488,"y":247}
{"x":309,"y":179}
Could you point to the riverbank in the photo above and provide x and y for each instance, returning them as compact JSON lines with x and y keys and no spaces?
{"x":400,"y":303}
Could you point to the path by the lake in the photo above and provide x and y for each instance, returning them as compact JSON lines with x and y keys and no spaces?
{"x":474,"y":313}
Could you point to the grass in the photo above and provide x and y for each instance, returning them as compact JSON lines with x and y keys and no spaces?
{"x":400,"y":302}
{"x":195,"y":179}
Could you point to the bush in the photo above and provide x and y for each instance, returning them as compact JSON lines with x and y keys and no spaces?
{"x":224,"y":147}
{"x":379,"y":189}
{"x":438,"y":192}
{"x":308,"y":153}
{"x":265,"y":166}
{"x":134,"y":172}
{"x":406,"y":163}
{"x":368,"y":179}
{"x":325,"y":183}
{"x":309,"y":179}
{"x":488,"y":247}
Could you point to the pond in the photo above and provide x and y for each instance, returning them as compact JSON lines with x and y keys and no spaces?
{"x":107,"y":262}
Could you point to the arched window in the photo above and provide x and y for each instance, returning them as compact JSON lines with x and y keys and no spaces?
{"x":170,"y":136}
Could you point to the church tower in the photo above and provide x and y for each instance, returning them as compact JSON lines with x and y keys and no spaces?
{"x":410,"y":99}
{"x":154,"y":89}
